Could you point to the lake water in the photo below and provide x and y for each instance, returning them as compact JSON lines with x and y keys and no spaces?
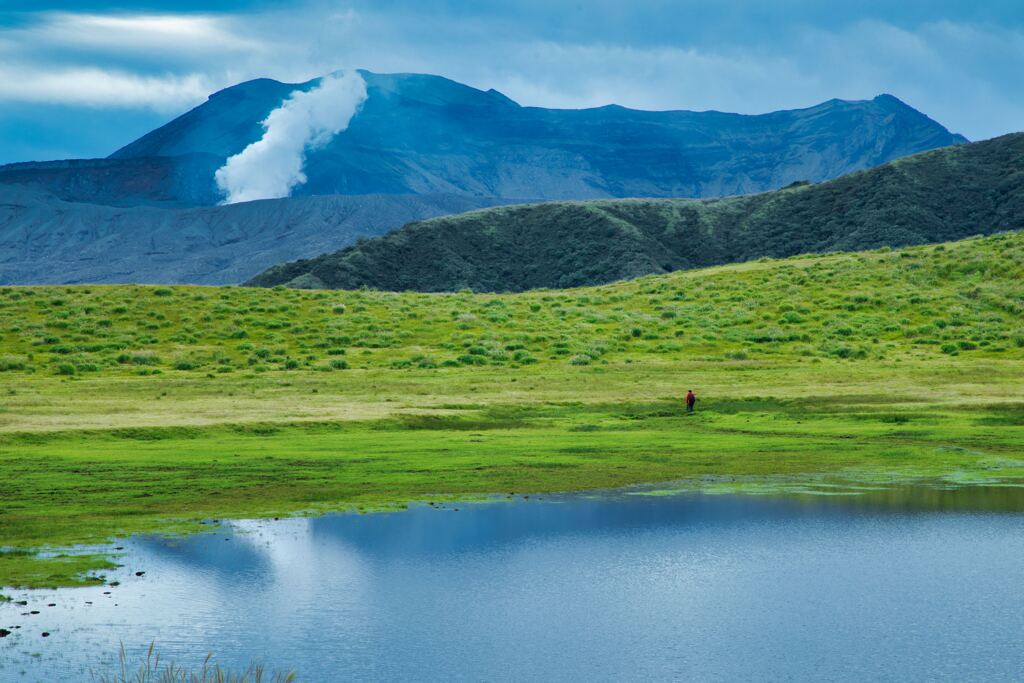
{"x":909,"y":585}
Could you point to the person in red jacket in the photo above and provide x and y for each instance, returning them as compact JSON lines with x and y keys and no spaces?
{"x":691,"y":398}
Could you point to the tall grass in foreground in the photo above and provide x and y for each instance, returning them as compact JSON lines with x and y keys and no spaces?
{"x":152,"y":670}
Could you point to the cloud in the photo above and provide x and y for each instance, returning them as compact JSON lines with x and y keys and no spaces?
{"x":94,"y":87}
{"x":157,"y":62}
{"x":272,"y":166}
{"x":592,"y":75}
{"x":145,"y":32}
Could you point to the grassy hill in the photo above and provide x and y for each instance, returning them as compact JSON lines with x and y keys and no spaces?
{"x":149,"y":408}
{"x":935,"y":196}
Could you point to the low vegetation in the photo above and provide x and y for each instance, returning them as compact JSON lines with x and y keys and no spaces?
{"x":151,"y":669}
{"x":132,"y":409}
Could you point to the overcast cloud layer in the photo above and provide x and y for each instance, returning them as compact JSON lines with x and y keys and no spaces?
{"x":82,"y":78}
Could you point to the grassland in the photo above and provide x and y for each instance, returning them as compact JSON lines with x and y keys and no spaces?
{"x":130,"y":409}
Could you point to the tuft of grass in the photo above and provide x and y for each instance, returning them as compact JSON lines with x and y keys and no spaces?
{"x":152,"y":670}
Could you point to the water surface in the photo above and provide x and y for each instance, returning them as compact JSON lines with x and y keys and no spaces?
{"x":906,"y":585}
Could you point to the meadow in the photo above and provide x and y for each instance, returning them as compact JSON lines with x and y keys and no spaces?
{"x":128,"y":409}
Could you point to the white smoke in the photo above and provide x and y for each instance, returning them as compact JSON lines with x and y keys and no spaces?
{"x":272,"y":166}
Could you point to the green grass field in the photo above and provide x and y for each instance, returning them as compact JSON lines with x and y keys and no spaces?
{"x":132,"y":409}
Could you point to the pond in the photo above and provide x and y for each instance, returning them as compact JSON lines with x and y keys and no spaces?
{"x":913,"y":584}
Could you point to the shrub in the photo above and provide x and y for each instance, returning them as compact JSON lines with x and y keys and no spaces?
{"x":791,"y":317}
{"x":339,"y":364}
{"x":65,"y":369}
{"x":139,"y":358}
{"x":9,"y":363}
{"x":843,"y":351}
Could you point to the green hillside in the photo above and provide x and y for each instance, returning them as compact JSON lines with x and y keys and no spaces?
{"x":149,"y":408}
{"x":945,"y":194}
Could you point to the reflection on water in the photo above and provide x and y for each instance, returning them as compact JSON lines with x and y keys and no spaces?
{"x":892,"y":585}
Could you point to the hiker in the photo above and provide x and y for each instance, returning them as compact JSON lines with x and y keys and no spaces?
{"x":691,"y":398}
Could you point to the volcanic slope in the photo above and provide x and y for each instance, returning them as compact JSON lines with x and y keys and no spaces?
{"x":425,"y":134}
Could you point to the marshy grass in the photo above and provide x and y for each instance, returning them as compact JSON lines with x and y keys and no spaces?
{"x":151,"y":669}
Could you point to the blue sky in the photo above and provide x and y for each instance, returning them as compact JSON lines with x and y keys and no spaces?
{"x":81,"y":78}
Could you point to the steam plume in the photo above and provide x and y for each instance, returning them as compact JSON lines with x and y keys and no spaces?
{"x":272,"y":166}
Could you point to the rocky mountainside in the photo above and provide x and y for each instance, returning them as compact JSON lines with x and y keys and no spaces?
{"x":935,"y":196}
{"x":172,"y":181}
{"x":422,"y":134}
{"x":47,"y":240}
{"x":453,"y":146}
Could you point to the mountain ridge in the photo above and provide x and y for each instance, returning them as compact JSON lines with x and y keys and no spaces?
{"x":426,"y":134}
{"x":456,"y":146}
{"x":944,"y":194}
